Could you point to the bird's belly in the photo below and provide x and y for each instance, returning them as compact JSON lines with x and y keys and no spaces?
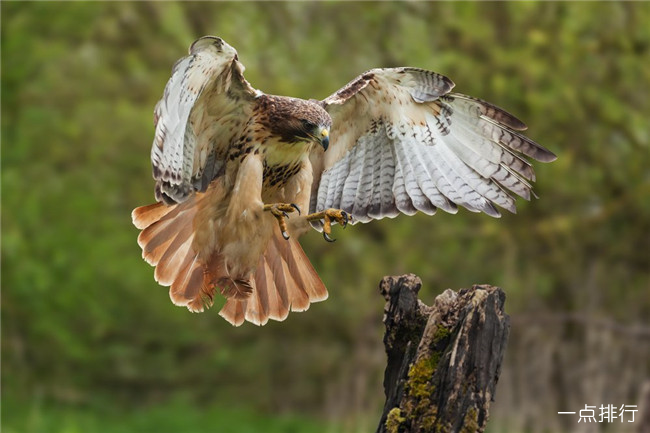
{"x":233,"y":225}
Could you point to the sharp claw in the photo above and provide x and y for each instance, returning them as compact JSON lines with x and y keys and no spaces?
{"x":295,"y":206}
{"x":345,"y":219}
{"x":285,"y":235}
{"x":328,"y":238}
{"x":286,"y":215}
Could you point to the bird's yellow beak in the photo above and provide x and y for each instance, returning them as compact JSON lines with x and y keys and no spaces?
{"x":325,"y":138}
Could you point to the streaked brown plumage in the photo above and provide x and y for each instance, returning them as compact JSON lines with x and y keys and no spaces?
{"x":231,"y":163}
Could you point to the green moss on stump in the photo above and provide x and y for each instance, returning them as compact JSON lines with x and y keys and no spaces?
{"x":394,"y":420}
{"x":419,"y":386}
{"x":441,"y":334}
{"x":470,"y":422}
{"x":419,"y":389}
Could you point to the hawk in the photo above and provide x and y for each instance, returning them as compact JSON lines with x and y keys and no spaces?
{"x":240,"y":175}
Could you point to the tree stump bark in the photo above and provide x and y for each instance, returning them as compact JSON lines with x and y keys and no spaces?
{"x":443,"y":361}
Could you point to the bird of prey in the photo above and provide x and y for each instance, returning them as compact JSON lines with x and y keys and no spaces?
{"x":240,"y":175}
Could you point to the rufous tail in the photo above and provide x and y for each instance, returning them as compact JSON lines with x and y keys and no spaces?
{"x":166,"y":242}
{"x":283,"y":281}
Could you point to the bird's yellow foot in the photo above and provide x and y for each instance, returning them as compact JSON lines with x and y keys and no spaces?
{"x":329,"y":215}
{"x":280,"y":212}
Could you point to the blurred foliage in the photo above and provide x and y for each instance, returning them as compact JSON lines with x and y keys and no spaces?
{"x":172,"y":417}
{"x":85,"y":325}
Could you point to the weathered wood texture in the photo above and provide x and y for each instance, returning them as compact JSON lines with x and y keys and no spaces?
{"x":444,"y":360}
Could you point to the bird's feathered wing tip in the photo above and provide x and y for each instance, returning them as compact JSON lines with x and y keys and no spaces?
{"x":406,"y":144}
{"x":284,"y":281}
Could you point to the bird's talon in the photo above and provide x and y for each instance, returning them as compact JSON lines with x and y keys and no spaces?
{"x":327,"y":217}
{"x":346,"y":219}
{"x":281,"y":212}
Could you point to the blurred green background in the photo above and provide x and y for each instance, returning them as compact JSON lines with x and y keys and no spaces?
{"x":90,"y":343}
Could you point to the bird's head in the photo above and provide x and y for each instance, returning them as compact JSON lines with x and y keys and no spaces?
{"x":299,"y":122}
{"x":316,"y":130}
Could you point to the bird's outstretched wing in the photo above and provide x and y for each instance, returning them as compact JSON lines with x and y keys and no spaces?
{"x":401,"y":142}
{"x":205,"y":105}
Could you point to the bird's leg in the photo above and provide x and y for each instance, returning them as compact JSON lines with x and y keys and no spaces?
{"x":329,"y":215}
{"x":279,"y":211}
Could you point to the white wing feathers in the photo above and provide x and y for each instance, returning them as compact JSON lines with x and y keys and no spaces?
{"x":401,"y":143}
{"x":202,"y":109}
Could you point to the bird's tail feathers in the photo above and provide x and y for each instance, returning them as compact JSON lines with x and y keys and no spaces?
{"x":284,"y":281}
{"x":167,"y":243}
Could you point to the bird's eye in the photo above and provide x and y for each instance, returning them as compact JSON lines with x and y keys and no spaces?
{"x":307,"y":125}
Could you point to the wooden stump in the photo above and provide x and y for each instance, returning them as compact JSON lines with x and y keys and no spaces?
{"x":443,"y":361}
